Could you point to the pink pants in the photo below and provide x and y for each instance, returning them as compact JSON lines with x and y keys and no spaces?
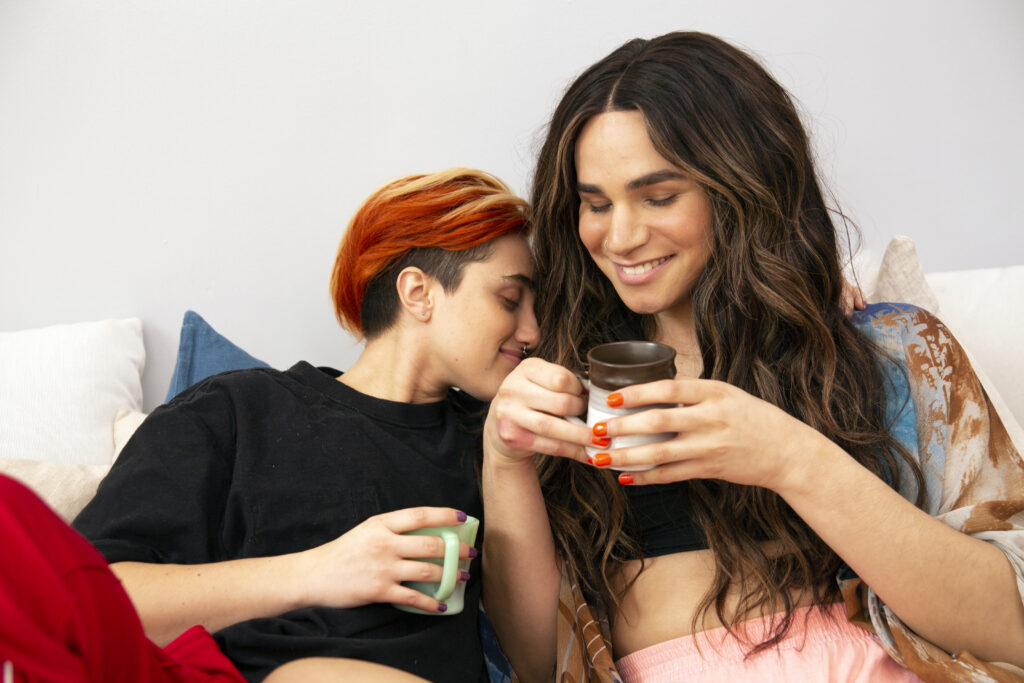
{"x":816,"y":648}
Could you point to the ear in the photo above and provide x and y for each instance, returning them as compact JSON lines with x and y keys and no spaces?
{"x":415,"y":293}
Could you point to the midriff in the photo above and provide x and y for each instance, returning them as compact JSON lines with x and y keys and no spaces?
{"x":661,"y":603}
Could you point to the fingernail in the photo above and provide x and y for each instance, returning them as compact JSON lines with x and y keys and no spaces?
{"x":473,"y":552}
{"x":602,"y":460}
{"x":590,"y":461}
{"x":441,"y":607}
{"x":602,"y":441}
{"x":463,"y":575}
{"x":615,"y":400}
{"x":625,"y":478}
{"x":461,"y":515}
{"x":601,"y":429}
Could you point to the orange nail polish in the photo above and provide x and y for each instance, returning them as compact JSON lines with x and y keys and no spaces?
{"x":600,"y":429}
{"x":590,"y":461}
{"x":625,"y":478}
{"x":602,"y":460}
{"x":602,"y":441}
{"x":615,"y":400}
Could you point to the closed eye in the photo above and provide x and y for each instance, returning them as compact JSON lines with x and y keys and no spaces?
{"x":662,"y":201}
{"x":595,"y":207}
{"x":510,"y":304}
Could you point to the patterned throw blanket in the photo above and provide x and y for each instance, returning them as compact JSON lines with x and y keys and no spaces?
{"x":974,"y":478}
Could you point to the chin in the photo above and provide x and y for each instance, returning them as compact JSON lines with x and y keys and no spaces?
{"x":481,"y":392}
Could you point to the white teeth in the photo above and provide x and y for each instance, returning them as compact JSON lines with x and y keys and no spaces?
{"x":643,"y":267}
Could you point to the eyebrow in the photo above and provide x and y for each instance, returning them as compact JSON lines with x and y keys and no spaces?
{"x":636,"y":183}
{"x":521,"y":279}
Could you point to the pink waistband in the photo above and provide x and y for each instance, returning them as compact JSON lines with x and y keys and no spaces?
{"x":817,"y":644}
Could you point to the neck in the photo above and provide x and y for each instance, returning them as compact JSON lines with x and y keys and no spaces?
{"x":677,"y":329}
{"x":395,"y":367}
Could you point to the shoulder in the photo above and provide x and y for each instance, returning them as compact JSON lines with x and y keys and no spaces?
{"x":888,"y":317}
{"x":900,"y":329}
{"x":251,"y":383}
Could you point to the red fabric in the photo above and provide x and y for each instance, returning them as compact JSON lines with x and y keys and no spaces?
{"x":64,"y":616}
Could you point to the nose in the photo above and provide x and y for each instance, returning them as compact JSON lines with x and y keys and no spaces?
{"x":625,"y":231}
{"x":527,"y":329}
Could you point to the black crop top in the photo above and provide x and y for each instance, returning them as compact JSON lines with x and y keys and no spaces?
{"x":663,"y":520}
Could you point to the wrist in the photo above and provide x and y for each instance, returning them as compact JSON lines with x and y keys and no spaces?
{"x":814,"y":460}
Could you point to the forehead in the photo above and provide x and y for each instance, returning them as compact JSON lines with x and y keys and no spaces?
{"x":510,"y":258}
{"x":617,"y":140}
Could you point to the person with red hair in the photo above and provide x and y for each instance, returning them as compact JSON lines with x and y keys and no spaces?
{"x":268,"y":508}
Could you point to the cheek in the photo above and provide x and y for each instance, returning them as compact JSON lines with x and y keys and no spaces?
{"x":591,"y":232}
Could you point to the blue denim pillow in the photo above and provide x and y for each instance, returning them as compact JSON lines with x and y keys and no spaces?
{"x":202,"y":351}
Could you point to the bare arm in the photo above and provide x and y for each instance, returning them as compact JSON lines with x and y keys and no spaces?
{"x":523,"y":577}
{"x":954,"y":590}
{"x":171,"y":598}
{"x":366,"y":564}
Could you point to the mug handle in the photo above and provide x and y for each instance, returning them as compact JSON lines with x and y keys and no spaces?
{"x":451,"y":565}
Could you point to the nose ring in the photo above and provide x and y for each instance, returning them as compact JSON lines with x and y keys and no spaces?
{"x":526,"y":350}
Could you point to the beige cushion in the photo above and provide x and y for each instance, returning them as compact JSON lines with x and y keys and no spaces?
{"x":125,"y":424}
{"x":65,"y":487}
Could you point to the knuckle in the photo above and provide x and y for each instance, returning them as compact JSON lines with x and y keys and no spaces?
{"x":419,"y":516}
{"x":378,"y":545}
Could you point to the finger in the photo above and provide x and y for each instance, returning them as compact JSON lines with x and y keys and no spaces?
{"x":681,"y":390}
{"x":675,"y":419}
{"x":417,"y":570}
{"x":423,"y":546}
{"x":403,"y":595}
{"x":407,"y":519}
{"x":551,"y":376}
{"x":681,"y":448}
{"x":664,"y":474}
{"x":558,"y":393}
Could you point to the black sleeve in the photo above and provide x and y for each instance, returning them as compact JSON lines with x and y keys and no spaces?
{"x":163,"y":500}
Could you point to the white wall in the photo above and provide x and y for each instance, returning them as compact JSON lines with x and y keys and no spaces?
{"x":206,"y":154}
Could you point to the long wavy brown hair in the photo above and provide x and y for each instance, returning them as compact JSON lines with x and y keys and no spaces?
{"x":768,"y":317}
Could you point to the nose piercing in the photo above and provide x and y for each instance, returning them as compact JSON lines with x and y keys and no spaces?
{"x":526,"y":350}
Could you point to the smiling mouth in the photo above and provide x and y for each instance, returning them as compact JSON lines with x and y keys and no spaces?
{"x":515,"y":356}
{"x":642,"y":268}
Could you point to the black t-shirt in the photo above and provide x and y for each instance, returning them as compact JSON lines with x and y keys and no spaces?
{"x":255,"y":463}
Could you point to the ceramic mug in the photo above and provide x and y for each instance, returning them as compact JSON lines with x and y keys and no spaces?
{"x":614,"y":366}
{"x":448,"y":590}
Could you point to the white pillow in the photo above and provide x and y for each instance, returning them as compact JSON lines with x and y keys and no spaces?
{"x":62,"y":386}
{"x":983,"y":308}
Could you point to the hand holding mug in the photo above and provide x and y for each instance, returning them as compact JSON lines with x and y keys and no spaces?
{"x":372,"y":561}
{"x":613,"y":367}
{"x":722,"y":432}
{"x":526,"y":415}
{"x":449,"y":591}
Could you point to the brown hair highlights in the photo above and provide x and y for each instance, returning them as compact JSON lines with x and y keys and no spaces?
{"x":767,"y":312}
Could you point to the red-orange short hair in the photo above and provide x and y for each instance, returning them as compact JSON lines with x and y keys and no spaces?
{"x":443,"y":213}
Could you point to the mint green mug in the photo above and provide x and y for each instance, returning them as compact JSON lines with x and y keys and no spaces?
{"x":448,"y":590}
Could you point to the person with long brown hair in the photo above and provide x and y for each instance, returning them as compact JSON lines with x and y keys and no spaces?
{"x":269,"y":507}
{"x":839,"y":502}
